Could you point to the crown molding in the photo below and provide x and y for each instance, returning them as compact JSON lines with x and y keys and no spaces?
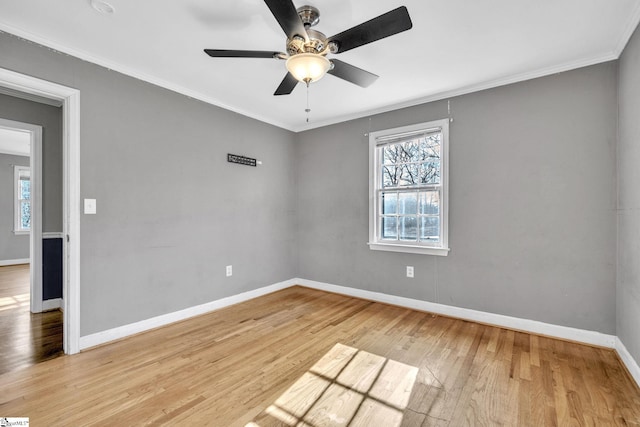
{"x":489,"y":84}
{"x":614,"y":54}
{"x":627,"y":31}
{"x":131,"y":72}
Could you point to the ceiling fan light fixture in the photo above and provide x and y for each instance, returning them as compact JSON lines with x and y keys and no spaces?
{"x":308,"y":67}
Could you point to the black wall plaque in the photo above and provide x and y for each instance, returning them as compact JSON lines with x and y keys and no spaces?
{"x":241,"y":160}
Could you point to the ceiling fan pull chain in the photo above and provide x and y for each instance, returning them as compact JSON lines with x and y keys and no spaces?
{"x":307,"y":110}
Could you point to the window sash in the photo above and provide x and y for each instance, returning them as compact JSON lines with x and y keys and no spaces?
{"x":381,"y":143}
{"x":418,"y":241}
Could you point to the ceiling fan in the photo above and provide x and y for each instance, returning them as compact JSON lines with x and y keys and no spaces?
{"x":307,"y":49}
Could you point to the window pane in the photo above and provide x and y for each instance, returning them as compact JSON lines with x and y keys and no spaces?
{"x":25,"y":214}
{"x":25,"y":189}
{"x":389,"y":203}
{"x":429,"y":203}
{"x":409,"y":175}
{"x":430,"y":173}
{"x":431,"y":147}
{"x":390,"y":176}
{"x":408,"y":203}
{"x":390,"y":228}
{"x":408,"y":228}
{"x":411,"y":150}
{"x":391,"y":154}
{"x":430,"y":229}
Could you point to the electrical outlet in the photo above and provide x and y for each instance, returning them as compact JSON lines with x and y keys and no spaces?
{"x":229,"y":270}
{"x":409,"y":271}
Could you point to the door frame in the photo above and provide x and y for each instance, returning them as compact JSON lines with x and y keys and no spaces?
{"x":35,"y":234}
{"x":69,"y":99}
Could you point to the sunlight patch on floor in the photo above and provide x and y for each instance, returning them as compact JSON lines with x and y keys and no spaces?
{"x":346,"y":387}
{"x":15,"y":301}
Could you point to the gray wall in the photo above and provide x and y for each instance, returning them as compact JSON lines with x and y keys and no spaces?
{"x":50,"y":118}
{"x":171,"y":211}
{"x":12,"y":246}
{"x":532,"y":211}
{"x":628,"y":283}
{"x":532,"y":203}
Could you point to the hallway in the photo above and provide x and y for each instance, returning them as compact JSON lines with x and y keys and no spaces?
{"x":26,"y":338}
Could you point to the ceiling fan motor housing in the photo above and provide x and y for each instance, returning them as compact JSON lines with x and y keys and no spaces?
{"x":317,"y":43}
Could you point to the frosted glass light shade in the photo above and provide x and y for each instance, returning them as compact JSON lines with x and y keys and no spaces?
{"x":308,"y":67}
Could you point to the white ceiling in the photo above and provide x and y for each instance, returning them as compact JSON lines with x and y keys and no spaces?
{"x":454,"y":47}
{"x":16,"y":142}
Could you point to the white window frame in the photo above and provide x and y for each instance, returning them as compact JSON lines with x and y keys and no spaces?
{"x":19,"y":171}
{"x":375,"y":187}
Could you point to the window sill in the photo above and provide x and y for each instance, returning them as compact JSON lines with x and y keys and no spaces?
{"x":411,"y":249}
{"x":21,"y":232}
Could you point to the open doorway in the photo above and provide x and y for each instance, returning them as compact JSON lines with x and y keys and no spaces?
{"x":32,"y":335}
{"x":69,"y":99}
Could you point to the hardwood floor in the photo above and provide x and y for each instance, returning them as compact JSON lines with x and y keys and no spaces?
{"x":25,"y":338}
{"x":310,"y":358}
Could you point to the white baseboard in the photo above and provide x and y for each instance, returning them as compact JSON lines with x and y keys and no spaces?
{"x":526,"y":325}
{"x":52,"y":304}
{"x":14,"y":261}
{"x":628,"y":360}
{"x":103,"y":337}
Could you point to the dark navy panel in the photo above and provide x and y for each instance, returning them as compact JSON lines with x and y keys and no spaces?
{"x":51,"y":268}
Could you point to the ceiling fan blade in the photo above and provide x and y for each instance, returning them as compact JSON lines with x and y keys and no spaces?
{"x":228,"y":53}
{"x":352,"y":73}
{"x":287,"y":85}
{"x":385,"y":25}
{"x":287,"y":16}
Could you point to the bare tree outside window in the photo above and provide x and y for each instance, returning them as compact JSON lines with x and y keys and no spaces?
{"x":412,"y":163}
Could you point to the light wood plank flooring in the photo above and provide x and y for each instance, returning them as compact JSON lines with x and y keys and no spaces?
{"x":25,"y":338}
{"x":310,"y":358}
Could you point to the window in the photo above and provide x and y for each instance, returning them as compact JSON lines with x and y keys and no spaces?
{"x":22,"y":185}
{"x":408,"y":189}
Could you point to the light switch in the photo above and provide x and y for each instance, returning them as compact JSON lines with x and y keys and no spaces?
{"x":89,"y":206}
